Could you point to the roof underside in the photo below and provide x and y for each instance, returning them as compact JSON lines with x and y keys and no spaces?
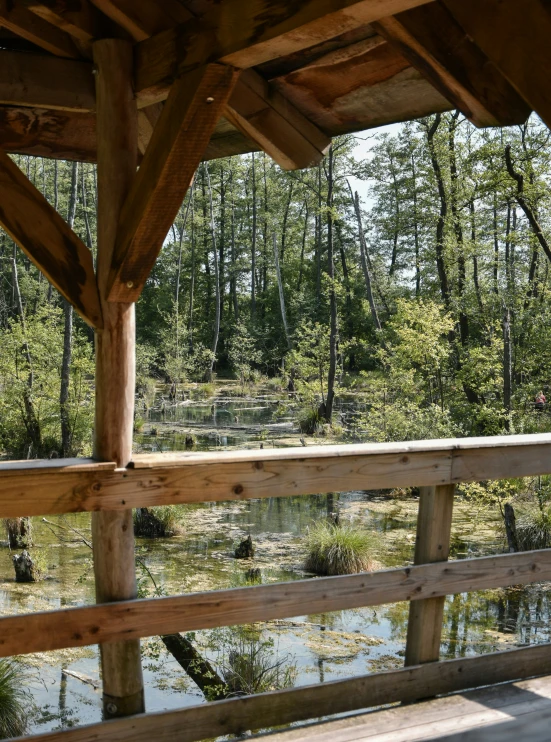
{"x":414,"y":58}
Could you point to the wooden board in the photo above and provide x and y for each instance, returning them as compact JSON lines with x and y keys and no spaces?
{"x":17,"y":18}
{"x":246,"y":35}
{"x":48,"y":241}
{"x":161,"y":479}
{"x":434,"y":43}
{"x":179,"y":140}
{"x":46,"y":82}
{"x":234,"y":717}
{"x":78,"y":627}
{"x":432,"y":544}
{"x":477,"y":713}
{"x":267,"y":118}
{"x":499,"y":26}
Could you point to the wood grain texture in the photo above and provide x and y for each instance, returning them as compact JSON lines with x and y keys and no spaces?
{"x":179,"y":140}
{"x":48,"y":241}
{"x":79,"y":19}
{"x":246,"y":35}
{"x":435,"y":44}
{"x":515,"y":37}
{"x":432,"y":544}
{"x":234,"y":717}
{"x":17,"y":18}
{"x":267,"y":118}
{"x":113,"y":532}
{"x":46,"y":82}
{"x":143,"y":19}
{"x":161,"y":479}
{"x":78,"y":627}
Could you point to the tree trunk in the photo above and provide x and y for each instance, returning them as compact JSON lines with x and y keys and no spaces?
{"x":441,"y":224}
{"x":281,"y":295}
{"x":458,"y":230}
{"x":507,"y":364}
{"x":253,"y":243}
{"x":66,"y":431}
{"x":329,"y":401}
{"x":364,"y":258}
{"x":216,"y":335}
{"x":510,"y":527}
{"x":196,"y":666}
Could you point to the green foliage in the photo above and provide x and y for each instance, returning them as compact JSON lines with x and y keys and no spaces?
{"x":14,"y":699}
{"x":338,"y":549}
{"x":243,"y":354}
{"x":534,"y":530}
{"x":42,"y":335}
{"x":250,"y":666}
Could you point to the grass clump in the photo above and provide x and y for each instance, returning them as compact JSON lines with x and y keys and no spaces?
{"x":338,"y":549}
{"x":14,"y":700}
{"x":160,"y":522}
{"x":534,"y":530}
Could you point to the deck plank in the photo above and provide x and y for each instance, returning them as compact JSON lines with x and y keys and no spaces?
{"x":501,"y":713}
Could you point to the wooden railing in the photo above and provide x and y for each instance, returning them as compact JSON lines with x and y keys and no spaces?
{"x":41,"y":488}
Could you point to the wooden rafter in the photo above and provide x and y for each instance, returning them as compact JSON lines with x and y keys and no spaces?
{"x":515,"y":37}
{"x":142,"y":20}
{"x":48,"y":241}
{"x":174,"y":153}
{"x":46,"y":82}
{"x":266,"y":117}
{"x":79,"y":19}
{"x":247,"y":34}
{"x":19,"y":19}
{"x":434,"y":43}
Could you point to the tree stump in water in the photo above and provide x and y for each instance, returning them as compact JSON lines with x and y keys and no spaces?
{"x":19,"y":532}
{"x":510,"y":527}
{"x":25,"y":569}
{"x":245,"y":550}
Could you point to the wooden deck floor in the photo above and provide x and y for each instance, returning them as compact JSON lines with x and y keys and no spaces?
{"x":513,"y":712}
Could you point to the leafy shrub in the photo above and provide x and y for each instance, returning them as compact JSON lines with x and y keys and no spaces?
{"x":338,"y":549}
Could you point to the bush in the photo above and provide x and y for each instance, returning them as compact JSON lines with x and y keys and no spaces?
{"x":14,"y":701}
{"x":160,"y":522}
{"x":338,"y":549}
{"x":252,"y":666}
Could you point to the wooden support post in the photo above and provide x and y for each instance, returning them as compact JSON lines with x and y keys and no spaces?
{"x":432,"y":545}
{"x":113,"y":533}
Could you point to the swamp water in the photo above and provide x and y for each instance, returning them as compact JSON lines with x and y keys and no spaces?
{"x":318,"y":648}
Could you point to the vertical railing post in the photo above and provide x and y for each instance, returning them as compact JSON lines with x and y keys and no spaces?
{"x":432,"y":545}
{"x":113,"y":533}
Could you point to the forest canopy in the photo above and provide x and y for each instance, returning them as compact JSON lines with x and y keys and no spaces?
{"x":427,"y":292}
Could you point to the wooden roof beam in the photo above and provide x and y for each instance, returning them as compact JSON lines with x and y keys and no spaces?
{"x":435,"y":44}
{"x":143,"y":19}
{"x":22,"y":22}
{"x":265,"y":116}
{"x":46,"y":82}
{"x":515,"y":37}
{"x":246,"y":34}
{"x":48,"y":241}
{"x":78,"y":19}
{"x":179,"y":141}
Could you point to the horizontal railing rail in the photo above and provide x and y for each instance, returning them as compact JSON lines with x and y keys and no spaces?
{"x":66,"y":486}
{"x":72,"y":485}
{"x":134,"y":619}
{"x":236,"y":716}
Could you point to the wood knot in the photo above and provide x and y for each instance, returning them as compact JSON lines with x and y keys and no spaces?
{"x":259,"y":465}
{"x":96,"y":486}
{"x":238,"y":489}
{"x":404,"y":460}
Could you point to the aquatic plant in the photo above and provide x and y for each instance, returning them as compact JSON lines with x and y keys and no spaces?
{"x":309,"y":420}
{"x":160,"y":522}
{"x":338,"y":549}
{"x":253,"y":666}
{"x":534,"y":530}
{"x":14,"y":700}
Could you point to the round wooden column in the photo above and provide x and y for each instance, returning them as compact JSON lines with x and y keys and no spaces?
{"x":113,"y":533}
